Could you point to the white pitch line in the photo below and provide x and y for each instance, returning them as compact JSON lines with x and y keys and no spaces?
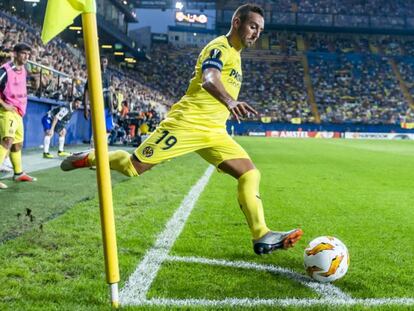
{"x":286,"y":302}
{"x":138,"y":284}
{"x":326,"y":290}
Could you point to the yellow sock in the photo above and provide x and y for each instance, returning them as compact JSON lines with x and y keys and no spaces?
{"x":3,"y":154}
{"x":16,"y":160}
{"x":119,"y":160}
{"x":251,"y":204}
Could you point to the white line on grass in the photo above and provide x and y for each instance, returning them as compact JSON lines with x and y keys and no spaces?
{"x":138,"y":284}
{"x":288,"y":302}
{"x":326,"y":290}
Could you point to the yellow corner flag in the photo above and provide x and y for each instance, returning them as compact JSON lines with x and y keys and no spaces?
{"x":61,"y":13}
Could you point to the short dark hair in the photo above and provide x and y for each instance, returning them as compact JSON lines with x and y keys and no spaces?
{"x":19,"y":47}
{"x":243,"y":11}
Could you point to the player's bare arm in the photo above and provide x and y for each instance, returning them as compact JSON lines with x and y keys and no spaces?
{"x":212,"y":84}
{"x":7,"y":106}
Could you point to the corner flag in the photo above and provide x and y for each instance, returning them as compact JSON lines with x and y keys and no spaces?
{"x":61,"y":13}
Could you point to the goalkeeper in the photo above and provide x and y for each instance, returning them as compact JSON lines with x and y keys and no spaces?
{"x":197,"y":122}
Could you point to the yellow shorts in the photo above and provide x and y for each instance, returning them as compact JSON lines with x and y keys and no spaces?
{"x":164,"y":144}
{"x":11,"y":125}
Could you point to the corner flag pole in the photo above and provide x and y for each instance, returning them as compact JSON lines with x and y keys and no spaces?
{"x":60,"y":14}
{"x":90,"y":37}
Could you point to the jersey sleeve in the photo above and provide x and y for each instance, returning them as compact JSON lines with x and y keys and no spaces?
{"x":214,"y":56}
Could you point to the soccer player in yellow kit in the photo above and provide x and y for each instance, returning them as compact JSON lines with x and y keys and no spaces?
{"x":197,"y":123}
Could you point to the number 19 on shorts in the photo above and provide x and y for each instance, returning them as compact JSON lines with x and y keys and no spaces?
{"x":167,"y":141}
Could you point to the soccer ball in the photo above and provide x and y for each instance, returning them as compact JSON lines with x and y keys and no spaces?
{"x":326,"y":259}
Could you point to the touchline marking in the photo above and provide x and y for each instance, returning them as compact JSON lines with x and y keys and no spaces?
{"x":286,"y":302}
{"x":139,"y":282}
{"x":326,"y":290}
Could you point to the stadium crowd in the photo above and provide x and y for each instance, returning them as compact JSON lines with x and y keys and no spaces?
{"x":407,"y":72}
{"x":276,"y":89}
{"x":357,"y":89}
{"x":60,"y":77}
{"x":351,"y":76}
{"x":347,"y":7}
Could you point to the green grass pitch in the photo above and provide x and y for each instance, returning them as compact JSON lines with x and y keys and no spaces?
{"x":359,"y":191}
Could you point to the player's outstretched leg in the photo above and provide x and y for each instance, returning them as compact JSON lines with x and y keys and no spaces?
{"x":251,"y":204}
{"x":119,"y":160}
{"x":264,"y":240}
{"x":76,"y":160}
{"x":272,"y":241}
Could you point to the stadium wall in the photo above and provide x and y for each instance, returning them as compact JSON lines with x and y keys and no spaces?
{"x":246,"y":127}
{"x":78,"y":129}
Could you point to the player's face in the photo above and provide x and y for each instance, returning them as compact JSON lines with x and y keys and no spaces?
{"x":76,"y":104}
{"x":251,"y":29}
{"x":22,"y":57}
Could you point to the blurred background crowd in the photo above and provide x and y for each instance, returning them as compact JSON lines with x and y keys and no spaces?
{"x":301,"y":77}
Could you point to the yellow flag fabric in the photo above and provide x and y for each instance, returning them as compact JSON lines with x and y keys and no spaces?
{"x":296,"y":120}
{"x":61,"y":13}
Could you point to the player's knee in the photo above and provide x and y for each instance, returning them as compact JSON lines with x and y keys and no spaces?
{"x":252,"y":174}
{"x":16,"y":147}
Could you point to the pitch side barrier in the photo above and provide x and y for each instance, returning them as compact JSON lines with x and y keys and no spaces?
{"x":78,"y":129}
{"x":325,"y":135}
{"x":324,"y":130}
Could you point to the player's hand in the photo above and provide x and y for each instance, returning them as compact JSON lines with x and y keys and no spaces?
{"x":240,"y":109}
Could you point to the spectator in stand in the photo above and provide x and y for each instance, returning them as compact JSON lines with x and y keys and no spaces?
{"x":124,"y":110}
{"x":107,"y":97}
{"x":358,"y":89}
{"x":5,"y":56}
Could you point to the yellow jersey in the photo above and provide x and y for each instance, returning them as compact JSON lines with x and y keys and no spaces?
{"x":199,"y":110}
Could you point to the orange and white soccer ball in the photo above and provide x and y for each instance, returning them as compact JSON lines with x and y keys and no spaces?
{"x":326,"y":259}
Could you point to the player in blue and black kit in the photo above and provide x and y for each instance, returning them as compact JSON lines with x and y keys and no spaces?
{"x":55,"y":121}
